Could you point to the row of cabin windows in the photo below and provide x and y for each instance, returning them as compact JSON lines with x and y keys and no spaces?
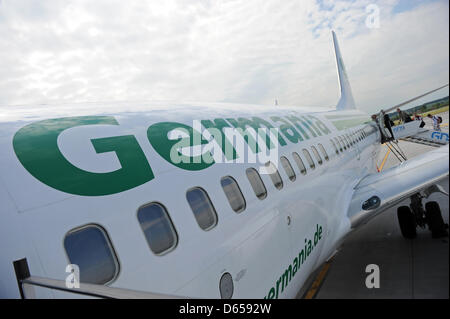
{"x":90,"y":248}
{"x":257,"y":183}
{"x":342,"y":142}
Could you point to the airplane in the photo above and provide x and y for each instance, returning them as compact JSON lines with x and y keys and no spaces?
{"x":154,"y":199}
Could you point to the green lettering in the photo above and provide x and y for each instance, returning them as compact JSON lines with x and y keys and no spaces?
{"x":320,"y":125}
{"x":301,"y":257}
{"x":294,"y":270}
{"x":296,"y":121}
{"x":278,"y":286}
{"x":287,"y":276}
{"x":271,"y":293}
{"x":37,"y":149}
{"x":288,"y":130}
{"x":309,"y":248}
{"x":218,"y":126}
{"x":255,"y":123}
{"x":169,"y":149}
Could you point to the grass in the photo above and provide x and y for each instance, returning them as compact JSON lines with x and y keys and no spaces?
{"x":437,"y":111}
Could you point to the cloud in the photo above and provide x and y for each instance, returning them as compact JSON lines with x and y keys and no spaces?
{"x":219,"y":50}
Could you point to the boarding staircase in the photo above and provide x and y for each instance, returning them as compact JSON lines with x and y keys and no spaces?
{"x":429,"y":137}
{"x":396,"y":150}
{"x":411,"y":132}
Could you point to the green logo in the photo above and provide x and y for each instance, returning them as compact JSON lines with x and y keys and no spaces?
{"x":298,"y":261}
{"x":169,"y":149}
{"x":37,"y":149}
{"x":180,"y":145}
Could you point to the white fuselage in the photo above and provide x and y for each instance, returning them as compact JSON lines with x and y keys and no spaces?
{"x":257,"y":246}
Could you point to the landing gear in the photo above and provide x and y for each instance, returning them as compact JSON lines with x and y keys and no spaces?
{"x":434,"y":219}
{"x":407,"y":222}
{"x":416,"y":215}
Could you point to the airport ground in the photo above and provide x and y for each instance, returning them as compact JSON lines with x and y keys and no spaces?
{"x":409,"y":269}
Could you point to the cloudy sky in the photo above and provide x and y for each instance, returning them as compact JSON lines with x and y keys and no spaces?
{"x":249,"y":51}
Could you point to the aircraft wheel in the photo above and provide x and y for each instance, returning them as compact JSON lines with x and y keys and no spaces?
{"x":407,"y":222}
{"x":434,"y":220}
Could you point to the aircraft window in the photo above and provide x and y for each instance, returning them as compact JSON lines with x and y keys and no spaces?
{"x":233,"y":193}
{"x":274,"y":175}
{"x":203,"y":209}
{"x":256,"y":182}
{"x":157,"y":227}
{"x":288,"y":168}
{"x":338,"y":144}
{"x":90,"y":248}
{"x":346,"y":140}
{"x":317,"y":155}
{"x":334,"y":146}
{"x":349,"y":139}
{"x":324,"y":152}
{"x":309,"y":159}
{"x":299,"y":162}
{"x":343,"y":142}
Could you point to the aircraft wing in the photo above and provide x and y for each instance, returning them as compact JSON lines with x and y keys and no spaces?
{"x":379,"y":191}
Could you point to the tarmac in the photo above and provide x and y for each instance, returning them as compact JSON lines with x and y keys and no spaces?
{"x":408,"y":269}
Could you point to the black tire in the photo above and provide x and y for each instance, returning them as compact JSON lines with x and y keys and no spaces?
{"x":407,"y":222}
{"x":434,"y":220}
